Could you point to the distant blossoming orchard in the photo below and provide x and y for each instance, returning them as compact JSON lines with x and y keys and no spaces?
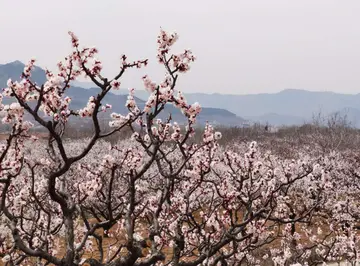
{"x":159,"y":198}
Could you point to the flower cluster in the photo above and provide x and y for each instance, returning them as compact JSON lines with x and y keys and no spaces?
{"x":89,"y":109}
{"x":165,"y":41}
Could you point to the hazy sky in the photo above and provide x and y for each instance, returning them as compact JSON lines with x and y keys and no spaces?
{"x":242,"y":46}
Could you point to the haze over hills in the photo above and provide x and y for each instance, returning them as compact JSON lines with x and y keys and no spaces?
{"x":81,"y":95}
{"x":287,"y":107}
{"x":14,"y":69}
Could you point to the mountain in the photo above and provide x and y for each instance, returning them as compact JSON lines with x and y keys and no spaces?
{"x":287,"y":107}
{"x":300,"y":103}
{"x":213,"y":115}
{"x":13,"y":71}
{"x":81,"y":95}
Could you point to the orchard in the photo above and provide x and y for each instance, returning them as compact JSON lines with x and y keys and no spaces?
{"x":161,"y":197}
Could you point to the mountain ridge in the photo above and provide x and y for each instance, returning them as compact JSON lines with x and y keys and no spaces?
{"x":290,"y":106}
{"x":81,"y":95}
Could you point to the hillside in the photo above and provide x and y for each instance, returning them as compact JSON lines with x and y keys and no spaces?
{"x":81,"y":95}
{"x":287,"y":107}
{"x":13,"y":71}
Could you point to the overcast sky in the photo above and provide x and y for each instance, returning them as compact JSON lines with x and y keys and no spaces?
{"x":250,"y":46}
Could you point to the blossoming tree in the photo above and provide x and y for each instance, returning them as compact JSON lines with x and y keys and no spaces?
{"x":159,"y":198}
